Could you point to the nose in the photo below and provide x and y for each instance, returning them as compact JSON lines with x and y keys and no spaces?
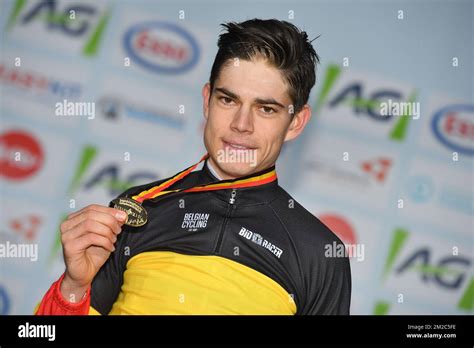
{"x":242,"y":121}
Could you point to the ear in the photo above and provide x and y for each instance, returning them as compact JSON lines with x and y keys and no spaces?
{"x":206,"y":93}
{"x":298,"y":123}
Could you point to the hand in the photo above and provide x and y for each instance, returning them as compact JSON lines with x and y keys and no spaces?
{"x":88,"y":238}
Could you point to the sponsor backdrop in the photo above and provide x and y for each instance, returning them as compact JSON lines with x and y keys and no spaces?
{"x":398,"y":187}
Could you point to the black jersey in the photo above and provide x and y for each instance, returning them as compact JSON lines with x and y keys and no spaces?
{"x":233,"y":251}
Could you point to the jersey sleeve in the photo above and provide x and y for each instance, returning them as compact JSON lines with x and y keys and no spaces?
{"x":330,"y":288}
{"x":53,"y":303}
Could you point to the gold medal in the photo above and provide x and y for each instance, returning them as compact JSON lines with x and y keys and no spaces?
{"x":136,"y":214}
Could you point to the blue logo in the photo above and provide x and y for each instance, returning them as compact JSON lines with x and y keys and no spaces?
{"x":4,"y":301}
{"x":453,"y":129}
{"x":113,"y":108}
{"x":162,"y":47}
{"x":420,"y":188}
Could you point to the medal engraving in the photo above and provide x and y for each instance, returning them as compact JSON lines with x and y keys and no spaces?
{"x":136,"y":214}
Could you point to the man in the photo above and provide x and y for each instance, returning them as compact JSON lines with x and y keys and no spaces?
{"x":226,"y":239}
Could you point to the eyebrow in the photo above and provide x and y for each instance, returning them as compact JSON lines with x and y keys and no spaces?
{"x":268,"y":101}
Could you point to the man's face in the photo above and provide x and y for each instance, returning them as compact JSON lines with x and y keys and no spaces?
{"x":248,"y":118}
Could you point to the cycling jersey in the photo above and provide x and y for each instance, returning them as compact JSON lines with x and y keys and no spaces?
{"x":250,"y":250}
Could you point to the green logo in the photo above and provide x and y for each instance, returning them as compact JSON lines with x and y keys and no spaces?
{"x":74,"y":21}
{"x":440,"y":272}
{"x":352,"y":96}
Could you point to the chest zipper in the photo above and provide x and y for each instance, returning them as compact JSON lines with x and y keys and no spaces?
{"x":227,"y":215}
{"x":232,"y":196}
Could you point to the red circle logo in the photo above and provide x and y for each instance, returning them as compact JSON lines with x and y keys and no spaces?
{"x":21,"y":155}
{"x":340,"y":226}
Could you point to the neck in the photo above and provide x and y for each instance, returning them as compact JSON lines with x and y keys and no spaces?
{"x":212,"y":170}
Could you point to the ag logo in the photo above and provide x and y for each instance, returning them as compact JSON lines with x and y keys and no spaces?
{"x":354,"y":95}
{"x":448,"y":273}
{"x":108,"y":176}
{"x":70,"y":18}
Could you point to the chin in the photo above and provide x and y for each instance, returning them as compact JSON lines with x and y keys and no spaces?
{"x":237,"y":169}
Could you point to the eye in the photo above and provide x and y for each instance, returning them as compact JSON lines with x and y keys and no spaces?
{"x":268,"y":110}
{"x":226,"y":100}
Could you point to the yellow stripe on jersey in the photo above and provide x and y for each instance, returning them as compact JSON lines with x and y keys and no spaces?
{"x":162,"y":282}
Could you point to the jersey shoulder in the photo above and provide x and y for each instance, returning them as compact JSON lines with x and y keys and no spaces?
{"x":306,"y":229}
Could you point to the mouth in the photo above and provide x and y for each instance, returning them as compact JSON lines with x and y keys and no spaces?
{"x":238,"y":146}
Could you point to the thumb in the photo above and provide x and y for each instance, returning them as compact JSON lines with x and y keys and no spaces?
{"x":121,"y":216}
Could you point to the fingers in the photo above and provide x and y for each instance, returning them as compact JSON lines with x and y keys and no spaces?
{"x":93,"y":225}
{"x":90,"y":226}
{"x":100,"y":208}
{"x":108,"y":216}
{"x":103,"y":218}
{"x":88,"y":239}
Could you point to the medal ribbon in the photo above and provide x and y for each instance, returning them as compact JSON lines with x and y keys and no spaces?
{"x":160,"y":190}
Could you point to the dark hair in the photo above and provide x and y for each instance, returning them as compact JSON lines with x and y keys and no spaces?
{"x":283,"y":44}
